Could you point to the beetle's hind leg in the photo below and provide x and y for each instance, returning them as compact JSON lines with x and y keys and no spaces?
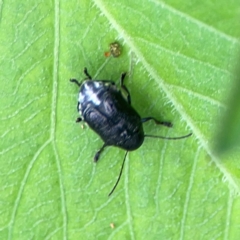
{"x":166,"y":124}
{"x":125,"y":88}
{"x":86,"y":73}
{"x":97,"y":155}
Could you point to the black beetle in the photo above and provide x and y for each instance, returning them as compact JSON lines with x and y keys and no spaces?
{"x":103,"y":107}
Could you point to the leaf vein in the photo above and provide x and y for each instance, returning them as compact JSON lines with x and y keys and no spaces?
{"x":22,"y":186}
{"x":188,"y":195}
{"x":198,"y":95}
{"x":127,"y":200}
{"x":54,"y":112}
{"x":228,"y":216}
{"x":185,"y":57}
{"x":196,"y":21}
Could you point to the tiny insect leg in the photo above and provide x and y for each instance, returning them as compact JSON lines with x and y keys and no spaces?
{"x":125,"y":88}
{"x":86,"y":73}
{"x":166,"y":124}
{"x":78,"y":120}
{"x":97,"y":155}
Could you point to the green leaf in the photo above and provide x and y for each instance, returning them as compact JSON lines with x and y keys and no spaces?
{"x":180,"y":57}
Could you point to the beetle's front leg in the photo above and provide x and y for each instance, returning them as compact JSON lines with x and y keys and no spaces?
{"x":125,"y":88}
{"x":87,"y":74}
{"x":78,"y":120}
{"x":76,"y":82}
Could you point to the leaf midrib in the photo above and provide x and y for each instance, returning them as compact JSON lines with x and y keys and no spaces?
{"x":54,"y":114}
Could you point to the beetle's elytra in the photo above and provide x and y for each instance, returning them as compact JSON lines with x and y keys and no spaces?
{"x":104,"y":108}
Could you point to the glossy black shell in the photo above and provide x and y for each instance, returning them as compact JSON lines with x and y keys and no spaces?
{"x":102,"y":105}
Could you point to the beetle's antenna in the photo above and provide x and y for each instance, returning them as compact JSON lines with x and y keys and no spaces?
{"x":120,"y":174}
{"x":168,"y":138}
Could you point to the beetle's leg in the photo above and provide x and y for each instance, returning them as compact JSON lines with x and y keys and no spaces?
{"x":86,"y":73}
{"x":125,"y":88}
{"x":167,"y":124}
{"x":97,"y":155}
{"x":78,"y":120}
{"x":75,"y":81}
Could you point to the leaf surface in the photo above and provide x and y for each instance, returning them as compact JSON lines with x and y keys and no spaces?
{"x":180,"y":58}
